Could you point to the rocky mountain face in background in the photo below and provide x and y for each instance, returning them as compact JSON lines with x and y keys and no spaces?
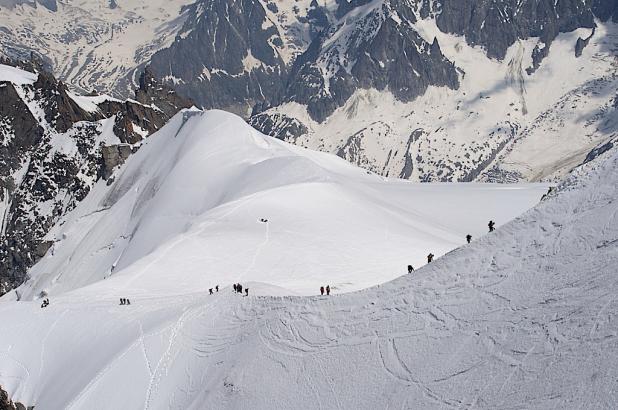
{"x":55,"y":146}
{"x":90,"y":44}
{"x":356,"y":91}
{"x":386,"y":84}
{"x":226,"y":56}
{"x":319,"y":75}
{"x":242,"y":55}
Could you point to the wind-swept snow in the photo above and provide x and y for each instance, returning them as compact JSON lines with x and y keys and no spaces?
{"x":521,"y":318}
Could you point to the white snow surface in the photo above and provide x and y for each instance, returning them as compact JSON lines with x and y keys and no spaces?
{"x":521,"y":318}
{"x":187,"y":211}
{"x":16,"y":75}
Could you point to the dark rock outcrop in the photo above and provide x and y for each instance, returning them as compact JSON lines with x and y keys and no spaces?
{"x":279,"y":126}
{"x":582,"y":43}
{"x":227,"y":60}
{"x":40,"y":180}
{"x":393,"y":56}
{"x":112,"y":156}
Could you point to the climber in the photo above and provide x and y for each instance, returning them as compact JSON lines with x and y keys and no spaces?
{"x":210,"y":291}
{"x":410,"y":269}
{"x":491,"y":225}
{"x":430,"y":257}
{"x":246,"y":291}
{"x":469,"y":238}
{"x":328,"y":289}
{"x":217,"y":288}
{"x":322,"y":290}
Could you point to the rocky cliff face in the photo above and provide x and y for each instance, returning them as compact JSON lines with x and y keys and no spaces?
{"x":395,"y":48}
{"x":54,"y":147}
{"x":300,"y":68}
{"x":245,"y":56}
{"x":226,"y":57}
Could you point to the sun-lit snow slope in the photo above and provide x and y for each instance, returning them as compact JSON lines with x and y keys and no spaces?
{"x":185,"y":211}
{"x":502,"y":124}
{"x":523,"y":318}
{"x":89,"y":43}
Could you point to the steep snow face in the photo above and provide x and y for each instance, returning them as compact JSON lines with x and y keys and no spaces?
{"x":89,"y":43}
{"x":502,"y":124}
{"x":54,"y":145}
{"x":186,"y":212}
{"x":522,"y":317}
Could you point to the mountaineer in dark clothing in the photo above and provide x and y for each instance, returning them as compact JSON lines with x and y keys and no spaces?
{"x":491,"y":225}
{"x":469,"y":238}
{"x":239,"y":288}
{"x":430,"y":257}
{"x":246,"y":291}
{"x":410,"y":269}
{"x":210,"y":291}
{"x":328,"y":289}
{"x":322,"y":290}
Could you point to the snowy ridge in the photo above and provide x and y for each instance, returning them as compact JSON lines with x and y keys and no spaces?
{"x":230,"y":176}
{"x":523,"y":317}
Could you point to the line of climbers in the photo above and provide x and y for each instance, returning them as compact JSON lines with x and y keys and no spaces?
{"x":238,"y":289}
{"x":492,"y":227}
{"x":327,"y":289}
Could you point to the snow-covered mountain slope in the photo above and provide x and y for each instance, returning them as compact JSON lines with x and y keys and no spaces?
{"x":91,"y":44}
{"x":185,"y":211}
{"x":54,"y":145}
{"x":501,"y":124}
{"x":521,"y":318}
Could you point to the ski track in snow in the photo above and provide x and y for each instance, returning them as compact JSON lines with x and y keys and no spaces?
{"x":258,"y":250}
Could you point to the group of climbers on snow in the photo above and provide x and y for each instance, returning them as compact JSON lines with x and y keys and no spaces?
{"x":491,"y":225}
{"x":125,"y":301}
{"x":238,"y":289}
{"x":210,"y":290}
{"x":327,"y":289}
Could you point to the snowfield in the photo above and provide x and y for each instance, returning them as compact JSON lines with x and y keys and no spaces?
{"x":521,"y":318}
{"x":188,"y":210}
